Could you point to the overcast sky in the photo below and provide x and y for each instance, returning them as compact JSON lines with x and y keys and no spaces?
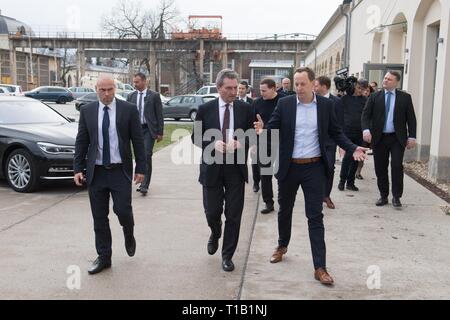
{"x":239,"y":16}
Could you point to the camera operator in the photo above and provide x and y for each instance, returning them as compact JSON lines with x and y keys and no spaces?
{"x":353,"y":105}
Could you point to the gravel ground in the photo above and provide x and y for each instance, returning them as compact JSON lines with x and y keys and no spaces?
{"x":419,"y":172}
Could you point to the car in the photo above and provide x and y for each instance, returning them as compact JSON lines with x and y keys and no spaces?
{"x":36,"y":144}
{"x":91,"y":97}
{"x":210,"y":90}
{"x":78,"y":92}
{"x":15,"y":90}
{"x":59,"y":95}
{"x":4,"y":92}
{"x":184,"y":106}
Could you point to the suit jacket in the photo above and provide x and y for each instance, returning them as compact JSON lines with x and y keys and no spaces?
{"x":284,"y":118}
{"x":209,"y":116}
{"x":152,"y":111}
{"x":288,"y":93}
{"x":249,"y":100}
{"x":374,"y":116}
{"x":338,"y":110}
{"x":128,"y":129}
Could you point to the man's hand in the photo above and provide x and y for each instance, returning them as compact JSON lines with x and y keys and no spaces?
{"x":367,"y":137}
{"x":360,"y":154}
{"x":411,"y":144}
{"x":233,"y":146}
{"x":139,"y":178}
{"x":259,"y":125}
{"x":79,"y":179}
{"x":159,"y":138}
{"x":220,"y":146}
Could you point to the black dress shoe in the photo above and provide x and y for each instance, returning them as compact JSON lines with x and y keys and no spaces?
{"x":341,"y":186}
{"x":138,"y":189}
{"x":268,"y":209}
{"x":130,"y":245}
{"x":99,"y":265}
{"x":382,"y":202}
{"x":227,"y":265}
{"x":396,"y":203}
{"x":255,"y":188}
{"x":352,"y":187}
{"x":213,"y":245}
{"x":143,"y":191}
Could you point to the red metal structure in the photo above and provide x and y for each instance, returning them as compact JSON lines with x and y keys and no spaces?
{"x":203,"y":32}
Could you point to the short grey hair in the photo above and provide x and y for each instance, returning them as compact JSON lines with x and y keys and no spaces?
{"x":226,"y":73}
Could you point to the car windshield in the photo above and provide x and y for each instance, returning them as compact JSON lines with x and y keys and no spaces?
{"x":21,"y":112}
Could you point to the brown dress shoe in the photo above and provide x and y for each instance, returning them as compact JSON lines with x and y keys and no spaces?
{"x":322,"y":275}
{"x":329,"y":203}
{"x":277,"y":256}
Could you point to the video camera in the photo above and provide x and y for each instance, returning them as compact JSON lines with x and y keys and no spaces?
{"x":344,"y":83}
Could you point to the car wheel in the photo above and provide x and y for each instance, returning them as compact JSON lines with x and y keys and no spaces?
{"x":62,"y":100}
{"x":193,"y":115}
{"x":21,"y":171}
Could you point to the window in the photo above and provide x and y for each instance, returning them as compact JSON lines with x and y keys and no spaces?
{"x":213,"y":90}
{"x":202,"y":91}
{"x":16,"y":112}
{"x":175,"y":101}
{"x":188,"y":100}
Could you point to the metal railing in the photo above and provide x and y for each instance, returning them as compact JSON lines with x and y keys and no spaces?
{"x":107,"y":36}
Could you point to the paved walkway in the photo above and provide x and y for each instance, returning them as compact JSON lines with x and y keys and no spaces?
{"x":43,"y":234}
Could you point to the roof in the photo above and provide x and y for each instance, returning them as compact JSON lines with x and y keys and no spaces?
{"x":279,"y":64}
{"x":11,"y":25}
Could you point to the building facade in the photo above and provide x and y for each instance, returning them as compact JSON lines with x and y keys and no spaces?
{"x":411,"y":37}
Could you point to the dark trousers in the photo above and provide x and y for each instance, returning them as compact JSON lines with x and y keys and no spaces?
{"x":311,"y":177}
{"x":349,"y":165}
{"x":331,"y":156}
{"x":266,"y":182}
{"x":108,"y":183}
{"x":389,"y":146}
{"x":230,"y":189}
{"x":149,"y":143}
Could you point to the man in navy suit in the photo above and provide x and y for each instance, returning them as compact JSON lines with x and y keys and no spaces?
{"x":103,"y":149}
{"x":223,"y":170}
{"x":305,"y":123}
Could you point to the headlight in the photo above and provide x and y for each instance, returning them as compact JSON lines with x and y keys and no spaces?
{"x":55,"y":149}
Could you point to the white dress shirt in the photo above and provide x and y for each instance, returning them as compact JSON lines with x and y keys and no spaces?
{"x":243,"y":99}
{"x":113,"y":136}
{"x":144,"y":95}
{"x":222,"y":116}
{"x":306,"y":143}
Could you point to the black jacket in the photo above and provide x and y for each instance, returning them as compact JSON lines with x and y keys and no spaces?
{"x":374,"y":116}
{"x":209,"y":118}
{"x":128,"y":129}
{"x":152,"y":111}
{"x":284,"y":118}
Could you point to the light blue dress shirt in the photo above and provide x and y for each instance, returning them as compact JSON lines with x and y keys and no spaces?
{"x":390,"y":118}
{"x":113,"y":137}
{"x":306,"y":144}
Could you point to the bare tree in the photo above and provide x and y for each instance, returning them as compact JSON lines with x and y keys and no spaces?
{"x":128,"y":19}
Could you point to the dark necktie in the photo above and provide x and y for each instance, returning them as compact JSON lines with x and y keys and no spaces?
{"x":226,"y":123}
{"x":105,"y":132}
{"x":141,"y":94}
{"x":388,"y":108}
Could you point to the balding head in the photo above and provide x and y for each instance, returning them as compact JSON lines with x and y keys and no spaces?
{"x":106,"y":89}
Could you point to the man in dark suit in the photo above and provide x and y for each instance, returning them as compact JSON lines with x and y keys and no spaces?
{"x":286,"y":87}
{"x":322,"y":88}
{"x":223,"y":170}
{"x":242,"y":93}
{"x":305,"y":123}
{"x":151,"y":118}
{"x":103,"y":150}
{"x":389,"y":123}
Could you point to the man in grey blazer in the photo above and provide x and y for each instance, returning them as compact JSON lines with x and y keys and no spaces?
{"x":103,"y":150}
{"x":151,"y":116}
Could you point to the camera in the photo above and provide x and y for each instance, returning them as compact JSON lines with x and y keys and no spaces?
{"x":344,"y":83}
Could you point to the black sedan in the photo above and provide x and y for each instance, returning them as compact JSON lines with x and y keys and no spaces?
{"x":186,"y":106}
{"x":59,"y":95}
{"x":36,"y":143}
